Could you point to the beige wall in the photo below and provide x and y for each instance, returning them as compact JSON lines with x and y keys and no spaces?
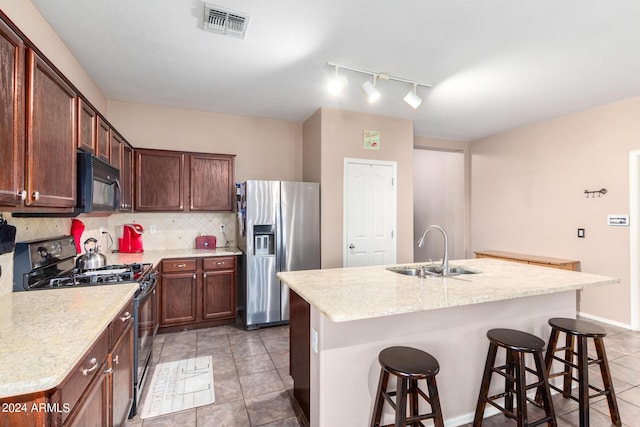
{"x":29,"y":20}
{"x":264,"y":148}
{"x":341,"y":136}
{"x":528,"y":195}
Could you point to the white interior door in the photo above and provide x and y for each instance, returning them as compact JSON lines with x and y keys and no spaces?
{"x":370,"y":213}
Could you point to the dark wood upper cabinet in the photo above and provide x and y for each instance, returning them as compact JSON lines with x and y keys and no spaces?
{"x":87,"y":119}
{"x":115,"y":150}
{"x":159,"y":180}
{"x":51,"y":137}
{"x":211,"y":182}
{"x":103,"y":141}
{"x":180,"y":181}
{"x":12,"y":54}
{"x":126,"y":178}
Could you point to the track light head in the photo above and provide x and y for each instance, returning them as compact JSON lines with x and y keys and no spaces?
{"x":337,"y":84}
{"x":412,"y":98}
{"x":370,"y":90}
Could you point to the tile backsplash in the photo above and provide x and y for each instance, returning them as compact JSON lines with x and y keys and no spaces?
{"x":172,"y":231}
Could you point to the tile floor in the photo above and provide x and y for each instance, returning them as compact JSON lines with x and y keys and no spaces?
{"x":253,"y":386}
{"x":623,"y":351}
{"x":251,"y":377}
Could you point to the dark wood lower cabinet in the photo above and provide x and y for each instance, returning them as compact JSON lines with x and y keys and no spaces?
{"x":121,"y":363}
{"x":197,"y":292}
{"x":93,"y":409}
{"x":299,"y":356}
{"x":178,"y":298}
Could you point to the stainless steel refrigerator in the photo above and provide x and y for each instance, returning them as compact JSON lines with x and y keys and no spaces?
{"x":279,"y":231}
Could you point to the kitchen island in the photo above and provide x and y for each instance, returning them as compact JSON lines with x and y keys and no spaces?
{"x":349,"y":315}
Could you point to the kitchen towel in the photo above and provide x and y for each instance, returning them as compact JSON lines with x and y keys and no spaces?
{"x":7,"y":236}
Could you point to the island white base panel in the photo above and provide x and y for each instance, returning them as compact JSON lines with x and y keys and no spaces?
{"x":345,"y":370}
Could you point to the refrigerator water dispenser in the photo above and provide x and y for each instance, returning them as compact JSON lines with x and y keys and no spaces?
{"x":264,"y":240}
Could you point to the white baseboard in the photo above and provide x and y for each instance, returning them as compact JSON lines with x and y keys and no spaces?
{"x":603,"y":320}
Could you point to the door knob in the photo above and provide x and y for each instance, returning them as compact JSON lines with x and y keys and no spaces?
{"x":352,"y":246}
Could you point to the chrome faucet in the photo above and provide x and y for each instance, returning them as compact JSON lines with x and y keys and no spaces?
{"x":445,"y":257}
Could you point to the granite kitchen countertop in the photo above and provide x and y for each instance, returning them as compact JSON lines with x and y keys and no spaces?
{"x":345,"y":294}
{"x":155,"y":256}
{"x":44,"y":334}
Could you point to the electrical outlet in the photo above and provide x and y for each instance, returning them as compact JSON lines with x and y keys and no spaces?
{"x":222,"y":228}
{"x":152,"y":229}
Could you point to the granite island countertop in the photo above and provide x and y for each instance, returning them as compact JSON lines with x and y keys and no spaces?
{"x":44,"y":334}
{"x":345,"y":294}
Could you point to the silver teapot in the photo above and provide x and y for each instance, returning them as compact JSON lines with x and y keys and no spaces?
{"x":92,"y":258}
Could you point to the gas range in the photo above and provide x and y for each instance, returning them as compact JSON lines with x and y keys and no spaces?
{"x":50,"y":264}
{"x":107,"y":275}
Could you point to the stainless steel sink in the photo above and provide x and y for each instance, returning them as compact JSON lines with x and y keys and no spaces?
{"x":429,"y":270}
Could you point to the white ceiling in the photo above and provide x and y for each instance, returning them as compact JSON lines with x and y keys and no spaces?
{"x":494,"y":64}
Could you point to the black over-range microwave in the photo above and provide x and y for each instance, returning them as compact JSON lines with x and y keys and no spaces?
{"x":98,"y":185}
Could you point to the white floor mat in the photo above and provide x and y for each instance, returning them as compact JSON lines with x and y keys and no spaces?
{"x":176,"y":386}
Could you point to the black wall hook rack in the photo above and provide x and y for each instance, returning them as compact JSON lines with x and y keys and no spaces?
{"x":593,"y":193}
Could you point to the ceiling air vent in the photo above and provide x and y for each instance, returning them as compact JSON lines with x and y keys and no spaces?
{"x":224,"y":21}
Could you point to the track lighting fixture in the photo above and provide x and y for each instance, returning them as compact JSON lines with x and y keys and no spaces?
{"x":339,"y":82}
{"x":412,"y":98}
{"x":370,"y":90}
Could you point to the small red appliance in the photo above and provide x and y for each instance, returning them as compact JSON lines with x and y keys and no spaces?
{"x":131,"y":240}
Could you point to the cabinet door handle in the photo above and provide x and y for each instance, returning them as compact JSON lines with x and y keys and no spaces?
{"x":93,"y":362}
{"x":194,"y":276}
{"x":204,"y":275}
{"x":35,"y":195}
{"x":220,"y":263}
{"x":179,"y":265}
{"x":126,"y":316}
{"x":108,"y":371}
{"x":116,"y":359}
{"x":22,"y":195}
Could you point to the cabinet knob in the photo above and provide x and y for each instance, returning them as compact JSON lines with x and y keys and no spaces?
{"x":126,"y":316}
{"x":116,"y":359}
{"x":204,"y":275}
{"x":194,"y":276}
{"x":22,"y":195}
{"x":35,"y":195}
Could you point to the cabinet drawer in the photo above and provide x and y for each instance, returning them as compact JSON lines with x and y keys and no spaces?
{"x":82,"y":374}
{"x":120,"y":323}
{"x":219,"y":263}
{"x":178,"y":265}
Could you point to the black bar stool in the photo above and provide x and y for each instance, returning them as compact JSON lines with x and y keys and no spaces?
{"x":517,"y":344}
{"x":582,"y":331}
{"x":409,"y":365}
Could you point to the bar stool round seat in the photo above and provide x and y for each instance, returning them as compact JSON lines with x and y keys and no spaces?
{"x":578,"y":359}
{"x":517,"y":345}
{"x":409,"y":365}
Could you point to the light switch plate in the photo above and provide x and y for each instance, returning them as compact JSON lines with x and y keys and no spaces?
{"x":618,"y":220}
